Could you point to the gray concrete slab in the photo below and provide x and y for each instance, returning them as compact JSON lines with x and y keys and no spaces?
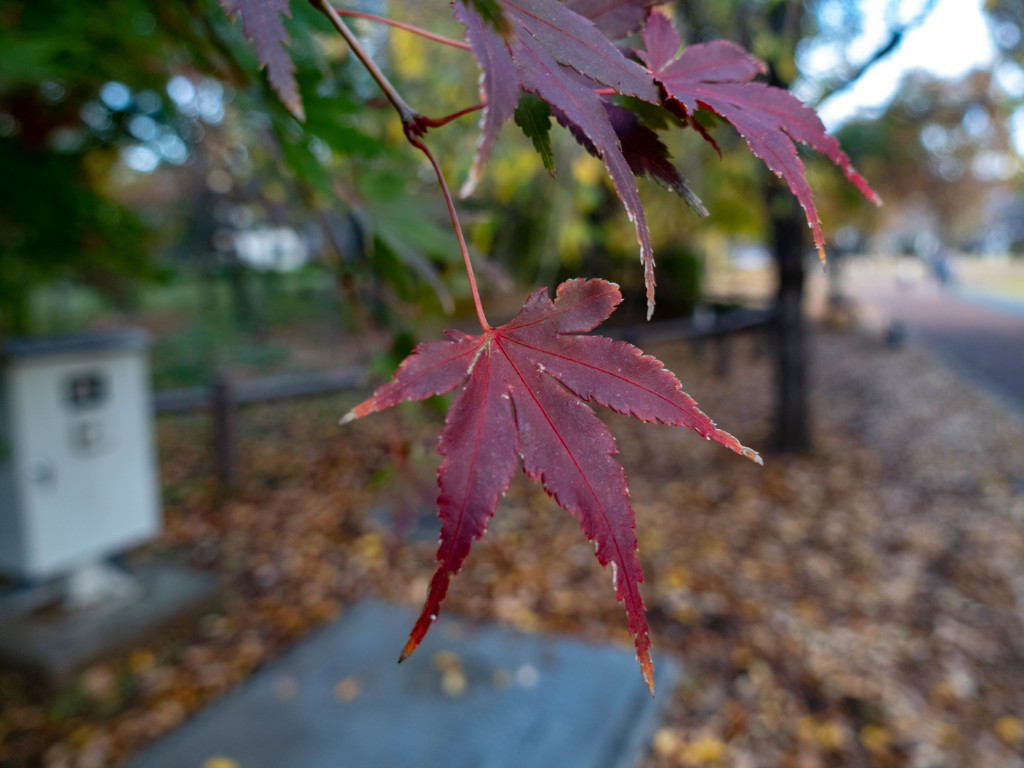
{"x":472,"y":696}
{"x":50,"y":644}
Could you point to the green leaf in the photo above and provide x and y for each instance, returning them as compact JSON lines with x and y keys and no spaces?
{"x":654,"y":116}
{"x":490,"y":12}
{"x":533,"y":115}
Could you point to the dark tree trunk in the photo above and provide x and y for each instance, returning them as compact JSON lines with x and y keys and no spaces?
{"x":788,"y":228}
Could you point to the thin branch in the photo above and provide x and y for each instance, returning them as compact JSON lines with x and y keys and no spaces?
{"x":407,"y":27}
{"x":407,"y":113}
{"x":895,"y":38}
{"x":415,"y":140}
{"x":415,"y":126}
{"x":437,"y":122}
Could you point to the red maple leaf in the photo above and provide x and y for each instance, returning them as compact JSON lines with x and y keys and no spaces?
{"x":262,"y":24}
{"x":615,"y":18}
{"x":644,"y":152}
{"x":525,"y":387}
{"x":564,"y":58}
{"x":717,"y":76}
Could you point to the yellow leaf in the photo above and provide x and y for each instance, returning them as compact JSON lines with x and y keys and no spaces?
{"x":586,"y":170}
{"x":220,"y":762}
{"x":679,"y":577}
{"x":830,"y":735}
{"x":409,"y":56}
{"x":1010,"y":729}
{"x":332,"y":46}
{"x":348,"y":689}
{"x":370,"y":545}
{"x":141,"y":661}
{"x":949,"y":735}
{"x":445,"y":660}
{"x":703,"y":750}
{"x":666,"y":742}
{"x":454,"y":682}
{"x":80,"y":734}
{"x":875,"y":738}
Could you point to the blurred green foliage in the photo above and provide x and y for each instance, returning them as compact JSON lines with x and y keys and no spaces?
{"x":57,"y":221}
{"x":55,"y":224}
{"x":81,"y":90}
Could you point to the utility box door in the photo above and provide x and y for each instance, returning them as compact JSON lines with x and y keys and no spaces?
{"x":81,"y":482}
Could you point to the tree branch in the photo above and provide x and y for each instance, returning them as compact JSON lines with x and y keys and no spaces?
{"x":895,"y":38}
{"x":408,"y":114}
{"x":407,"y":27}
{"x":415,"y":126}
{"x":417,"y":142}
{"x":437,"y":122}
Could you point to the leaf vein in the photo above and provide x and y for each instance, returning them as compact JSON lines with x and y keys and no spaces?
{"x":631,"y":586}
{"x":599,"y":369}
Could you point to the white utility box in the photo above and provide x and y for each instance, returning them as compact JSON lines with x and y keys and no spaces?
{"x":78,"y":478}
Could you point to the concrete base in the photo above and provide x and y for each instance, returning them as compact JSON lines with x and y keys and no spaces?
{"x":42,"y":640}
{"x":470,"y":697}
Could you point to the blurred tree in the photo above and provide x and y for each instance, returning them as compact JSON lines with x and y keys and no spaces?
{"x":1007,"y":19}
{"x":778,"y":32}
{"x":152,"y":117}
{"x":941,"y":147}
{"x":1008,"y":27}
{"x":64,"y":114}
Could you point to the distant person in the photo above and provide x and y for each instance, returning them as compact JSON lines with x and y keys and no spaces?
{"x":942,"y":268}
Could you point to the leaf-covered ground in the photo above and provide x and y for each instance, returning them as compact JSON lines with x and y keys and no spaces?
{"x":863,"y":606}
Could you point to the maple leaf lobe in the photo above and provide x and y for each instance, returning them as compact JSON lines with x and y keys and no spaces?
{"x":262,"y":25}
{"x":479,"y":460}
{"x":499,"y":86}
{"x":433,"y":368}
{"x":615,"y":18}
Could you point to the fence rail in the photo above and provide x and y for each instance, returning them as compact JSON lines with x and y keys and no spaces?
{"x":284,"y":387}
{"x":224,"y":396}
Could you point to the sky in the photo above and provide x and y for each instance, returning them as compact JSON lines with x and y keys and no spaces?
{"x":954,"y":39}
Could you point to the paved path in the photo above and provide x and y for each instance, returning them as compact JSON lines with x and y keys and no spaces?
{"x":981,"y":336}
{"x":470,"y":697}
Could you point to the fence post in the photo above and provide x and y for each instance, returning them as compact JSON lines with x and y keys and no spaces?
{"x":225,"y":429}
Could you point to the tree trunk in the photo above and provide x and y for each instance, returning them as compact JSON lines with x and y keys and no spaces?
{"x":788,"y":227}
